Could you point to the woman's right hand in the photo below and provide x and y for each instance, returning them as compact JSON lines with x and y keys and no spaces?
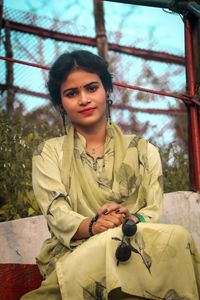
{"x":107,"y":221}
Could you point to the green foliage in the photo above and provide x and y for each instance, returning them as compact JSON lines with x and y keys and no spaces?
{"x":175,"y":168}
{"x":18,"y":140}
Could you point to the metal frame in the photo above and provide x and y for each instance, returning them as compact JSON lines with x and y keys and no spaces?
{"x":191,"y":13}
{"x":82,"y":40}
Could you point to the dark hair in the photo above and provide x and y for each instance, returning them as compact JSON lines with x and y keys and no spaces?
{"x":80,"y":59}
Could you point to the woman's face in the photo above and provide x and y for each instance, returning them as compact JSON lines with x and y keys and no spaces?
{"x":84,"y":99}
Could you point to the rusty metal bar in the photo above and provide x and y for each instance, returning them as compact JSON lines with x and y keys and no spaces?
{"x":184,"y":98}
{"x":22,"y":62}
{"x":174,"y":112}
{"x":177,"y":5}
{"x":155,"y":3}
{"x":100,"y":29}
{"x":194,"y":126}
{"x":145,"y":54}
{"x":170,"y":112}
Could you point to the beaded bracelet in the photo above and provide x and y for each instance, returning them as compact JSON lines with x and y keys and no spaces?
{"x":93,"y":220}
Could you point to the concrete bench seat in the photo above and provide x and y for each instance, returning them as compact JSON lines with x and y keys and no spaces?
{"x":21,"y":241}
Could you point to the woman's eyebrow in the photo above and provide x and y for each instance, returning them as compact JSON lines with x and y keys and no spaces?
{"x":70,"y":89}
{"x":75,"y":88}
{"x":93,"y":82}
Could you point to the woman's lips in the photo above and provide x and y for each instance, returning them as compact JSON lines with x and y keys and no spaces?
{"x":87,"y":111}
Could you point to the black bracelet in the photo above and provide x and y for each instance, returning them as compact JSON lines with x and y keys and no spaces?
{"x":93,"y":220}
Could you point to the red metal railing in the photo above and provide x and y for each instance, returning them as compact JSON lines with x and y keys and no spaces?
{"x":191,"y":99}
{"x":186,"y":98}
{"x":194,"y":123}
{"x":87,"y":41}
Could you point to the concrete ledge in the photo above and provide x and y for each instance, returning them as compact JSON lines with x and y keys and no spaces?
{"x":22,"y":239}
{"x":183,"y":208}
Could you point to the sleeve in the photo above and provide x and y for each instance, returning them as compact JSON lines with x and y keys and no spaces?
{"x":152,"y":187}
{"x":52,"y":196}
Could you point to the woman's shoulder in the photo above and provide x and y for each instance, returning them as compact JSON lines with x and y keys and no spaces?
{"x":140,"y":142}
{"x":55,"y":141}
{"x":51,"y":145}
{"x":148,"y":153}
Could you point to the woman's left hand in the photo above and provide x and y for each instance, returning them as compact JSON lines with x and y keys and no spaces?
{"x":110,"y":207}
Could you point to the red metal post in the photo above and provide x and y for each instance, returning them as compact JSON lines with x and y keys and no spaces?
{"x":193,"y":113}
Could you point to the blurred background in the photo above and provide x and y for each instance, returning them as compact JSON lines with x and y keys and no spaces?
{"x":145,"y":50}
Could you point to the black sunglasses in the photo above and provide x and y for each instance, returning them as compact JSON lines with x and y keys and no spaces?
{"x":123,"y":251}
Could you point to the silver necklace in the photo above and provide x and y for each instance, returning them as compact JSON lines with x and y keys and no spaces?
{"x":92,"y":150}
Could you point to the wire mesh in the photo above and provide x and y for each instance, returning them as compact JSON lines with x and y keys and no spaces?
{"x":161,"y":128}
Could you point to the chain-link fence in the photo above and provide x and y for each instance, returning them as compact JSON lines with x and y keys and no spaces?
{"x":146,"y":98}
{"x":156,"y":117}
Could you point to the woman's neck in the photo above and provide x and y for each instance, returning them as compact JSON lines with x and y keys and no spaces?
{"x":95,"y":139}
{"x":92,"y":135}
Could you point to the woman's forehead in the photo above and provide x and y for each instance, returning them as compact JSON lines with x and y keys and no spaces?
{"x":80,"y":78}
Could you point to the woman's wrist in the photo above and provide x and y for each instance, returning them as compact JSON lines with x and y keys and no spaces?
{"x":134,"y":218}
{"x":91,"y":223}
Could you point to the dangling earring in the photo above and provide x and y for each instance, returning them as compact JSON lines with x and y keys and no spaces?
{"x":109,"y":104}
{"x":63,"y":113}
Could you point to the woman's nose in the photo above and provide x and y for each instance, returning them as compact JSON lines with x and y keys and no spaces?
{"x":84,"y":98}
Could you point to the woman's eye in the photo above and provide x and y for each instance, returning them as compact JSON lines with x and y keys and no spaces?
{"x":71,"y":94}
{"x":92,"y":88}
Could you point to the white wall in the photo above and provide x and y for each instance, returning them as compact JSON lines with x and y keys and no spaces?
{"x":21,"y":240}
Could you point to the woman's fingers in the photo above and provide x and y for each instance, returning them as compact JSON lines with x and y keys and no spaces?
{"x":119,"y":216}
{"x":110,"y":215}
{"x":123,"y":210}
{"x":113,"y":218}
{"x":105,"y":222}
{"x":108,"y":208}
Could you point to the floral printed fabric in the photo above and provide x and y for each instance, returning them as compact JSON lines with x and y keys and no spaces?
{"x":70,"y":185}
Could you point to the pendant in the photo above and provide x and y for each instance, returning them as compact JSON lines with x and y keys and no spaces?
{"x":93,"y":151}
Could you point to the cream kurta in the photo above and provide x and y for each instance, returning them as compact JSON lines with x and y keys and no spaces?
{"x":70,"y":186}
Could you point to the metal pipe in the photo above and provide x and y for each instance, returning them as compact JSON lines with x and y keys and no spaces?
{"x":22,"y":62}
{"x":161,"y":93}
{"x":174,"y":112}
{"x":155,"y":3}
{"x":184,"y":98}
{"x":194,"y":8}
{"x":194,"y":126}
{"x":177,"y":6}
{"x":145,"y":54}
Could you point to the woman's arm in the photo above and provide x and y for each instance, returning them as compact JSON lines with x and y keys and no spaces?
{"x":150,"y":192}
{"x":51,"y":194}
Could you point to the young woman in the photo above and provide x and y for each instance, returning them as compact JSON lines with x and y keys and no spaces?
{"x":89,"y":184}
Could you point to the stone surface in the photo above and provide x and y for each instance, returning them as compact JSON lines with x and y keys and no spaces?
{"x":22,"y":239}
{"x":183,"y":208}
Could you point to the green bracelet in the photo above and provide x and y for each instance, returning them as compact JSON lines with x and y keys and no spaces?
{"x":140,"y":218}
